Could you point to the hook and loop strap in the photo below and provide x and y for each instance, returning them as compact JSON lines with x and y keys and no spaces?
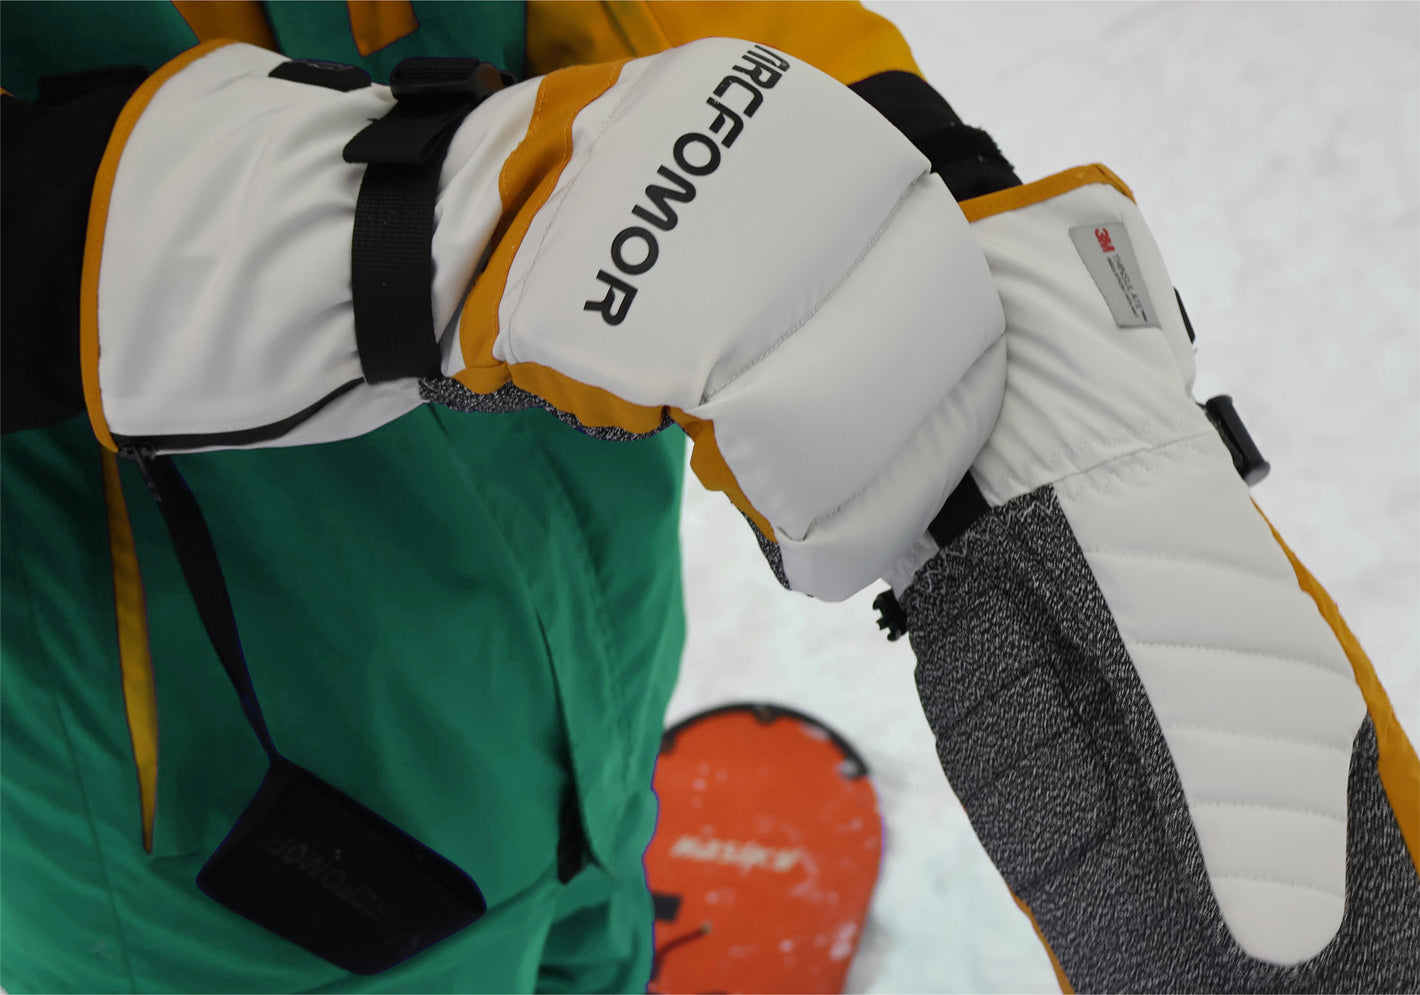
{"x":391,"y":259}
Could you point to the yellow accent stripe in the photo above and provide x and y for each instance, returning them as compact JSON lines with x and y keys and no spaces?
{"x":527,"y":180}
{"x":709,"y":465}
{"x":139,"y":697}
{"x":377,"y":23}
{"x":1065,"y":987}
{"x":1014,"y":198}
{"x":236,"y":20}
{"x":98,"y":221}
{"x":844,"y":40}
{"x":1398,"y":768}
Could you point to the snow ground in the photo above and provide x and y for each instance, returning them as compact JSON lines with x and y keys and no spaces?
{"x":1273,"y":148}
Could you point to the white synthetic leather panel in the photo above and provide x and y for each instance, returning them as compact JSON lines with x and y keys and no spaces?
{"x":1309,"y":928}
{"x":1182,"y":682}
{"x":817,"y":263}
{"x":1277,"y":850}
{"x":858,"y":541}
{"x":1252,"y":614}
{"x":811,"y":424}
{"x":224,"y":288}
{"x":800,"y":195}
{"x":1254,"y":695}
{"x":1080,"y":390}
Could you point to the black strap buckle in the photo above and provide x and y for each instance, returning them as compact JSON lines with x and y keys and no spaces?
{"x":423,"y":77}
{"x":432,"y":97}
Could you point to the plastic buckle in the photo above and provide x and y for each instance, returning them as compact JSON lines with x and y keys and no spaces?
{"x":432,"y":97}
{"x":1247,"y":459}
{"x":425,"y":77}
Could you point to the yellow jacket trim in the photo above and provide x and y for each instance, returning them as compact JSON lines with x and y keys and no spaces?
{"x":1397,"y":765}
{"x":377,"y":23}
{"x":98,"y":221}
{"x":140,"y":698}
{"x":1015,"y":198}
{"x":235,"y":20}
{"x":843,"y":39}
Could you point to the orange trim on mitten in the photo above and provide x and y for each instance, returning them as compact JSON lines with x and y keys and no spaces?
{"x":1398,"y":768}
{"x":529,"y":176}
{"x":1065,"y":987}
{"x":1014,"y":198}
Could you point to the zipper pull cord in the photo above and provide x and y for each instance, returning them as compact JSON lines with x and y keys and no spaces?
{"x":197,"y":556}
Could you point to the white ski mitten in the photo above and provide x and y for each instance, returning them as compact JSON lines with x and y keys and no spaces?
{"x":718,"y":236}
{"x":1176,"y":755}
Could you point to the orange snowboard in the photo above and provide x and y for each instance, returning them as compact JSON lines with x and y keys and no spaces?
{"x":765,"y":856}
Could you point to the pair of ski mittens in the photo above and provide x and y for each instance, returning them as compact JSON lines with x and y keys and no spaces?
{"x":1163,"y":735}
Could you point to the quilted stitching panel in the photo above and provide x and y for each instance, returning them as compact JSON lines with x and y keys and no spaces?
{"x":1254,"y":696}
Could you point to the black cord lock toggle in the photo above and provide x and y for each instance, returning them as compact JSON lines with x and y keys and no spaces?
{"x":1247,"y":458}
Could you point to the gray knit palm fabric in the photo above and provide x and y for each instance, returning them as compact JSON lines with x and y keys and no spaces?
{"x":508,"y":399}
{"x":1046,"y":734}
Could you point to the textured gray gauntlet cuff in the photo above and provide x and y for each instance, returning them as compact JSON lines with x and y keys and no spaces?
{"x":1049,"y":739}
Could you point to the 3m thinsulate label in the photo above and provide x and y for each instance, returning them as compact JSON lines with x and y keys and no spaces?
{"x":1109,"y":256}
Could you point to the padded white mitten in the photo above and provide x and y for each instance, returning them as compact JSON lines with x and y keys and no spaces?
{"x":1151,"y":714}
{"x":718,"y":235}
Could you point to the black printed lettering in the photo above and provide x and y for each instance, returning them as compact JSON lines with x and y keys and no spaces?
{"x":755,"y":97}
{"x":772,"y":57}
{"x":695,"y":138}
{"x":618,"y":250}
{"x":736,"y":125}
{"x":613,"y":310}
{"x":765,"y":68}
{"x":660,"y":198}
{"x":764,"y":76}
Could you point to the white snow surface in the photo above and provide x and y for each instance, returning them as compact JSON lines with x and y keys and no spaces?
{"x":1273,"y":148}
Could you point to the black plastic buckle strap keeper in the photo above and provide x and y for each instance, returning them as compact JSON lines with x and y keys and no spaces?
{"x":1247,"y":458}
{"x":391,"y":260}
{"x":305,"y":860}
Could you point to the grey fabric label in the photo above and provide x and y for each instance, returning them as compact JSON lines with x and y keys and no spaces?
{"x":1109,"y":256}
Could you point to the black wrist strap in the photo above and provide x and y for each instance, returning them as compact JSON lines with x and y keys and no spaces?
{"x":391,"y":260}
{"x":305,"y":860}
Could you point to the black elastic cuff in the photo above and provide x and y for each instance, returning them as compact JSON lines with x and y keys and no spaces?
{"x":966,"y":158}
{"x":51,"y":153}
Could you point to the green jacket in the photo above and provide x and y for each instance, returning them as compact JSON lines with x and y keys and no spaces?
{"x":415,"y":605}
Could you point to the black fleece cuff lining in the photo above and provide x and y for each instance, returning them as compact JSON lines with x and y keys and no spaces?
{"x":966,"y":158}
{"x":49,"y":155}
